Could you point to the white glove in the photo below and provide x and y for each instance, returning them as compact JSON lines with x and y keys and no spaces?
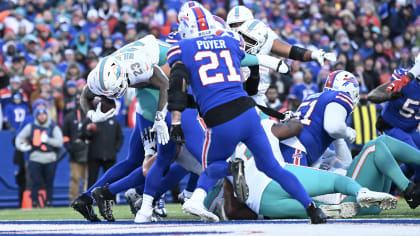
{"x":161,"y":128}
{"x":351,"y":134}
{"x":44,"y":138}
{"x":98,"y":115}
{"x":149,"y":142}
{"x":320,"y":55}
{"x":273,"y":63}
{"x":288,"y":115}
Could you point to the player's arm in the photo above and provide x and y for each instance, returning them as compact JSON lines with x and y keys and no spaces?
{"x":284,"y":49}
{"x":159,"y":80}
{"x":391,"y":90}
{"x":287,"y":129}
{"x":86,"y":99}
{"x":177,"y":97}
{"x":335,"y":116}
{"x":270,"y":62}
{"x":94,"y":114}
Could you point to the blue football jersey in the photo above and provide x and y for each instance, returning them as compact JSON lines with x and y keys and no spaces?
{"x":15,"y":114}
{"x":214,"y":63}
{"x":311,"y":114}
{"x":404,"y":112}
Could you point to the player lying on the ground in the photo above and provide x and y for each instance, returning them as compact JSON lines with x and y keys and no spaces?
{"x":375,"y":168}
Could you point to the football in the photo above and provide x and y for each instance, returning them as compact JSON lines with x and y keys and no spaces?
{"x":106,"y":103}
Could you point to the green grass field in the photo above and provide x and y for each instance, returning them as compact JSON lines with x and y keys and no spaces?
{"x":122,"y":212}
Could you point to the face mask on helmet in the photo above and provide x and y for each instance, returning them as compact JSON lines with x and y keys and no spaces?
{"x":255,"y":34}
{"x":345,"y":81}
{"x":112,"y":79}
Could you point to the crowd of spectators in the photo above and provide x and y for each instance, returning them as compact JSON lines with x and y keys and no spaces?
{"x":48,"y":47}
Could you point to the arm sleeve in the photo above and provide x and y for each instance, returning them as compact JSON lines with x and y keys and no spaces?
{"x":163,"y":51}
{"x":343,"y":158}
{"x":174,"y":54}
{"x":57,"y":139}
{"x":335,"y":116}
{"x":249,"y":60}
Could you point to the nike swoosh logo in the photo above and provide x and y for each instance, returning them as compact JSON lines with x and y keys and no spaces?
{"x":409,"y":200}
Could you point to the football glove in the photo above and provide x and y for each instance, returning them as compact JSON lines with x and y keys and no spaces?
{"x":149,"y":142}
{"x":320,"y":55}
{"x":177,"y":134}
{"x":99,"y":116}
{"x":161,"y":128}
{"x":400,"y":80}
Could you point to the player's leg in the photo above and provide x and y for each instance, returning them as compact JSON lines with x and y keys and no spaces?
{"x":191,"y":185}
{"x":219,"y":143}
{"x":165,"y":154}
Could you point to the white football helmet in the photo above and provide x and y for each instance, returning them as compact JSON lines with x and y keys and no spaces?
{"x":341,"y":80}
{"x":238,"y":14}
{"x":197,"y":22}
{"x":108,"y":78}
{"x":255,"y":34}
{"x":186,"y":6}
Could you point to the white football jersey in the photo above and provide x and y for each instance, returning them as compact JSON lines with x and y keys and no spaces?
{"x":138,"y":59}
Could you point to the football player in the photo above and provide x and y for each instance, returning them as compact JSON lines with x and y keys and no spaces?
{"x":324,"y":116}
{"x":401,"y":114}
{"x":210,"y":62}
{"x":261,"y":40}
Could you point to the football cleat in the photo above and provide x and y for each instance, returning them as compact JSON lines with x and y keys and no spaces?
{"x":315,"y":214}
{"x":343,"y":210}
{"x":198,"y":209}
{"x":412,"y":195}
{"x":160,"y":208}
{"x":140,"y":218}
{"x":83,"y":204}
{"x":105,"y":200}
{"x":367,"y":198}
{"x":184,"y":196}
{"x":236,"y":169}
{"x":131,"y":196}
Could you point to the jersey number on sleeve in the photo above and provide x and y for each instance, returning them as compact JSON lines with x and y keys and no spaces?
{"x":305,"y":115}
{"x":214,"y":64}
{"x":407,"y":111}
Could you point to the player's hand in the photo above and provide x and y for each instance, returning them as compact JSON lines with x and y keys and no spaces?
{"x":161,"y":128}
{"x":273,"y":63}
{"x":44,"y":138}
{"x":400,"y":80}
{"x":149,"y":142}
{"x":351,"y":135}
{"x":320,"y":55}
{"x":288,"y":115}
{"x":177,"y":134}
{"x":98,"y":115}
